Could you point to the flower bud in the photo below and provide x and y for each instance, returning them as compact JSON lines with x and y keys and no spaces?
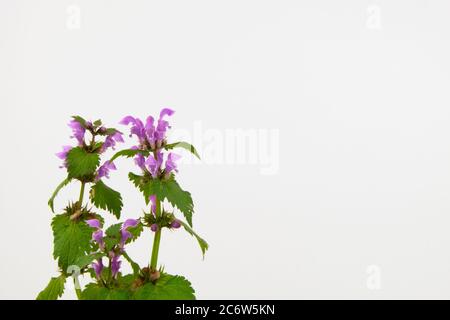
{"x":175,"y":224}
{"x":154,"y":227}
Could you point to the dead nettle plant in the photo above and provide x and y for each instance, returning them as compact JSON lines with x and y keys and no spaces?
{"x":82,"y":243}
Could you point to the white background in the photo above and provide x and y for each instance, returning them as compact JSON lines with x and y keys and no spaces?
{"x":362,"y":110}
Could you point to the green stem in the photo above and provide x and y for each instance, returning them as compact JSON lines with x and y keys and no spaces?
{"x":77,"y":288}
{"x":156,"y":241}
{"x":80,"y":200}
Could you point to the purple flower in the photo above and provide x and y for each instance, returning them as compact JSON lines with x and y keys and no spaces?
{"x":104,"y":169}
{"x":152,"y":200}
{"x":160,"y":132}
{"x":98,"y":268}
{"x":137,"y":127}
{"x":175,"y":224}
{"x":154,"y":227}
{"x":154,"y":165}
{"x":94,"y":223}
{"x":97,"y":235}
{"x":140,"y":161}
{"x":78,"y":131}
{"x":63,"y":155}
{"x":149,"y":134}
{"x":115,"y":264}
{"x":111,"y":140}
{"x":124,"y":233}
{"x":170,"y":163}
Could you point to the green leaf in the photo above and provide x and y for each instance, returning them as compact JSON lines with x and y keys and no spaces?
{"x":165,"y":189}
{"x":54,"y":289}
{"x":72,"y":240}
{"x":202,"y":243}
{"x":185,"y":145}
{"x":84,"y":261}
{"x":95,"y":292}
{"x":167,"y":287}
{"x":82,"y":164}
{"x":80,"y":120}
{"x":104,"y":197}
{"x":55,"y":193}
{"x":113,"y":235}
{"x":127,"y":153}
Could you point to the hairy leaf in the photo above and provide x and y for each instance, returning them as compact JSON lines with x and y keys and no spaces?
{"x":72,"y":240}
{"x":54,"y":289}
{"x":95,"y":292}
{"x":104,"y":197}
{"x":167,"y":287}
{"x":82,"y":164}
{"x":165,"y":189}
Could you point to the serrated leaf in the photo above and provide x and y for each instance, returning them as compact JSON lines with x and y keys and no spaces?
{"x":184,"y":145}
{"x":82,"y":164}
{"x":64,"y":183}
{"x":167,"y":287}
{"x":54,"y":289}
{"x":180,"y":199}
{"x":72,"y":240}
{"x":202,"y":243}
{"x":104,"y":197}
{"x":165,"y":189}
{"x":128,"y":153}
{"x":95,"y":292}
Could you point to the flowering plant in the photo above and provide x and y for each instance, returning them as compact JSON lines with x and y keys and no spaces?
{"x":81,"y":243}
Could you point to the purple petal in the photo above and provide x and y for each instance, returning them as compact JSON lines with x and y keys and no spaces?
{"x":118,"y":136}
{"x":130,"y":223}
{"x":139,"y":160}
{"x":104,"y":169}
{"x":63,"y":154}
{"x":97,"y":236}
{"x":152,"y":200}
{"x":166,"y":112}
{"x":98,"y":267}
{"x":127,"y":120}
{"x":124,"y":236}
{"x":115,"y":265}
{"x":171,"y":162}
{"x":154,"y":165}
{"x":78,"y":131}
{"x":94,"y":223}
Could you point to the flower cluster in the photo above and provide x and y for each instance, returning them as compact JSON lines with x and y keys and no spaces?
{"x":79,"y":129}
{"x":166,"y":220}
{"x":152,"y":138}
{"x":114,"y":253}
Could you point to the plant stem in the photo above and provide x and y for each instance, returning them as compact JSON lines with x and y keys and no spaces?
{"x":77,"y":288}
{"x":80,"y":200}
{"x":156,"y":240}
